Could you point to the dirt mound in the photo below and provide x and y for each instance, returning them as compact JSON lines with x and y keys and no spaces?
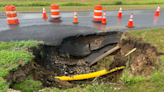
{"x":142,"y":61}
{"x":20,"y":74}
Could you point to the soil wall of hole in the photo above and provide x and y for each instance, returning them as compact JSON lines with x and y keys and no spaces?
{"x":49,"y":62}
{"x":52,"y":60}
{"x":141,"y":62}
{"x":20,"y":74}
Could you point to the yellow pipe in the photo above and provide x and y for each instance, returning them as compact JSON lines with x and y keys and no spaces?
{"x":88,"y":76}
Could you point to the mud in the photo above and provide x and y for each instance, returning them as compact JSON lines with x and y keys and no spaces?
{"x":20,"y":74}
{"x":46,"y":76}
{"x":141,"y":62}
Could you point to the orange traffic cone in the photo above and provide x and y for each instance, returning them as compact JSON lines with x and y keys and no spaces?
{"x":104,"y":18}
{"x":44,"y":13}
{"x":157,"y":11}
{"x":130,"y":24}
{"x":75,"y":20}
{"x":120,"y":12}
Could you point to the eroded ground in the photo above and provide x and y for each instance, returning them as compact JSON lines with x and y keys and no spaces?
{"x":50,"y":61}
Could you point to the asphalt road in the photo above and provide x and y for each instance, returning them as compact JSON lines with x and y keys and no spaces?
{"x":32,"y":26}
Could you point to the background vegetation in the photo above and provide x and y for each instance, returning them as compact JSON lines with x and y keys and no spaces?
{"x":79,"y":5}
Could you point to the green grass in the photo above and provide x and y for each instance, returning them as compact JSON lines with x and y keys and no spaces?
{"x":13,"y":54}
{"x":28,"y":86}
{"x":153,"y":36}
{"x":18,"y":44}
{"x":81,"y":5}
{"x":10,"y":57}
{"x":85,"y":1}
{"x":81,"y":8}
{"x":24,"y":4}
{"x":3,"y":85}
{"x":86,"y":88}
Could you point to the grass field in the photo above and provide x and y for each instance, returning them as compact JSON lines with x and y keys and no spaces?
{"x":81,"y":5}
{"x":81,"y":8}
{"x":83,"y":1}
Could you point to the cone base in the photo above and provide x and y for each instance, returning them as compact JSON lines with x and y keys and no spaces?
{"x":44,"y":17}
{"x":13,"y":23}
{"x":119,"y":16}
{"x":103,"y":23}
{"x":75,"y":22}
{"x":156,"y":15}
{"x":96,"y":21}
{"x":55,"y":19}
{"x":130,"y":27}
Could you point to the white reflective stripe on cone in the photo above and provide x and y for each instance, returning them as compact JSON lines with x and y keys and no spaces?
{"x":97,"y":16}
{"x":54,"y":10}
{"x":131,"y":16}
{"x":130,"y":19}
{"x":55,"y":16}
{"x":12,"y":18}
{"x":12,"y":12}
{"x":75,"y":16}
{"x":97,"y":10}
{"x":44,"y":11}
{"x":104,"y":17}
{"x":158,"y":8}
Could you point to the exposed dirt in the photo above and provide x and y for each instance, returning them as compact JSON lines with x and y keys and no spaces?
{"x":11,"y":90}
{"x":48,"y":63}
{"x":20,"y":74}
{"x":96,"y":39}
{"x":48,"y":57}
{"x":93,"y":38}
{"x":46,"y":76}
{"x":141,"y":62}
